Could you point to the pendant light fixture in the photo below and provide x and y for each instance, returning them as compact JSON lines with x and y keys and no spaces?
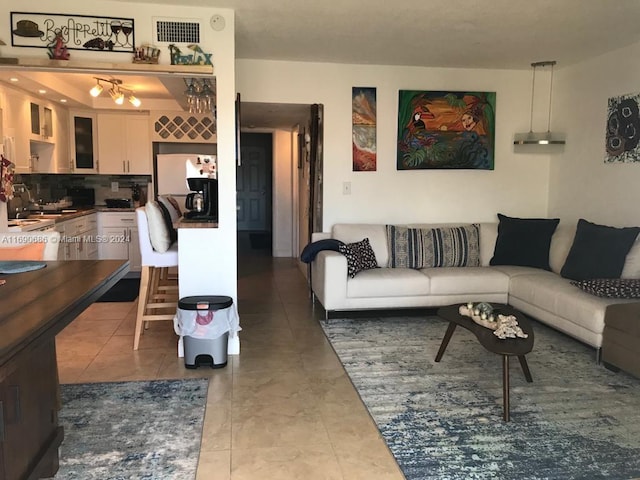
{"x":540,"y":138}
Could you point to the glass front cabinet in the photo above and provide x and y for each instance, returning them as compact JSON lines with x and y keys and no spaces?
{"x":84,"y":147}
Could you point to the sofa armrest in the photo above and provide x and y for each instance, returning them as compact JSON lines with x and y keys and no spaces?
{"x":329,"y":279}
{"x":315,"y":236}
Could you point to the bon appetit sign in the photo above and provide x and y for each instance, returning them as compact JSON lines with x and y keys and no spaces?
{"x":79,"y":32}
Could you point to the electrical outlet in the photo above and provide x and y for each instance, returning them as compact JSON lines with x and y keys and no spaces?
{"x":115,"y":186}
{"x":346,"y":188}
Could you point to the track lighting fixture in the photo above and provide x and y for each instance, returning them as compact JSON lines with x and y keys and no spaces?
{"x":117,"y":91}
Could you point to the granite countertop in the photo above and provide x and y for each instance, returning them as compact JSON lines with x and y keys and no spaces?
{"x":71,"y":213}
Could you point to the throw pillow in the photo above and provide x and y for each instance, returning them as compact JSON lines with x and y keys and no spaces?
{"x":158,"y":232}
{"x":524,"y":241}
{"x":598,"y":251}
{"x":360,"y":256}
{"x":405,"y":247}
{"x":172,"y":206}
{"x":452,"y":246}
{"x":173,"y":233}
{"x":434,"y":247}
{"x":30,"y":251}
{"x":611,"y":287}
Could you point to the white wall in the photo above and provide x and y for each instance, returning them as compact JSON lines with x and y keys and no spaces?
{"x":582,"y":185}
{"x":518,"y":186}
{"x":282,"y":228}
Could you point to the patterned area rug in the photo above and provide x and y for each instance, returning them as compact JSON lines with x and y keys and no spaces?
{"x":132,"y":430}
{"x":577,"y":420}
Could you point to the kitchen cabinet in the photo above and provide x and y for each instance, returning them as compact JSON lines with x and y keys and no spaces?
{"x":83,"y":142}
{"x":79,"y":238}
{"x":124,"y":144}
{"x":118,"y":232}
{"x":16,"y":142}
{"x":41,"y":122}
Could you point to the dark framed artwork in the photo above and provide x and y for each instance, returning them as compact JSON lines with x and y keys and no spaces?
{"x":446,"y":130}
{"x":623,"y":129}
{"x":363,"y":133}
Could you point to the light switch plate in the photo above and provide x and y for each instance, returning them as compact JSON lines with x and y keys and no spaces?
{"x":115,"y":186}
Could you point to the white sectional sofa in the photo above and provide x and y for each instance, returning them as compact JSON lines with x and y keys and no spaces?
{"x":542,"y":294}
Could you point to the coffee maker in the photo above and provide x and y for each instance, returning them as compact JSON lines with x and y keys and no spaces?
{"x":202,"y":202}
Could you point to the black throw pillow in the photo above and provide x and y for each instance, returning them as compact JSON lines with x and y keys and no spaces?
{"x":598,"y":251}
{"x":524,"y":241}
{"x":173,"y":233}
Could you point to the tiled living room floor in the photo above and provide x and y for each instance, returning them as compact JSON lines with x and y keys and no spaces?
{"x":283,"y":409}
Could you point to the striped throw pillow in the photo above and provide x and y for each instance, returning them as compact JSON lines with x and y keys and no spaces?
{"x":434,"y":247}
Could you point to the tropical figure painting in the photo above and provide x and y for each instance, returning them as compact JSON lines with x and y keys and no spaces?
{"x":443,"y":129}
{"x":363,"y":116}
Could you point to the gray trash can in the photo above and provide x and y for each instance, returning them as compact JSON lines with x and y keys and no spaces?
{"x":205,"y":351}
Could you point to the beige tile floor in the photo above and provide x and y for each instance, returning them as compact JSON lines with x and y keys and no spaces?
{"x":283,"y":409}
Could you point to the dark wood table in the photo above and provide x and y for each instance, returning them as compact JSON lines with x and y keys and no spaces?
{"x":508,"y":347}
{"x":34,"y":307}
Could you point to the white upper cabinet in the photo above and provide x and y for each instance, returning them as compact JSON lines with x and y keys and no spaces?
{"x":124,"y":144}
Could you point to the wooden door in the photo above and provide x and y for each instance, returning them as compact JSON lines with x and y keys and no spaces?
{"x":254,"y":182}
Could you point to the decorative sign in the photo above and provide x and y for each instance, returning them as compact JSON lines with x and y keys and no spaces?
{"x":197,"y":57}
{"x":78,"y":32}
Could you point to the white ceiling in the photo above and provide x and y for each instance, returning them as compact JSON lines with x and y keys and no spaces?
{"x":437,"y":33}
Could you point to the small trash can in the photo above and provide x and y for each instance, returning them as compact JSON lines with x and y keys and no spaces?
{"x":205,"y":337}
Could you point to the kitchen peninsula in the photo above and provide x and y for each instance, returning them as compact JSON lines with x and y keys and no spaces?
{"x":36,"y":306}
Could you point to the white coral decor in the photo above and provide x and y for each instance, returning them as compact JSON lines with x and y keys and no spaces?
{"x":503,"y":326}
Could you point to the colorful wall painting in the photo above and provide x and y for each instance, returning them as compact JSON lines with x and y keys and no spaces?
{"x":623,"y":129}
{"x":446,"y":130}
{"x":364,"y":129}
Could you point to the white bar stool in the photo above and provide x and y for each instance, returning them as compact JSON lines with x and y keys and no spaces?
{"x":157,"y":290}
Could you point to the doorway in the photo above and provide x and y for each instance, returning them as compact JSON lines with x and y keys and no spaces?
{"x":254,"y":194}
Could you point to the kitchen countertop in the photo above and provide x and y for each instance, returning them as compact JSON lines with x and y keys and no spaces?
{"x":80,"y":212}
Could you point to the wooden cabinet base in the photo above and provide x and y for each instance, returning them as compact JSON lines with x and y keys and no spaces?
{"x":47,"y":461}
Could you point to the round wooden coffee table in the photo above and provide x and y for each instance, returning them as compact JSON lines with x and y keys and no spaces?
{"x":508,"y":347}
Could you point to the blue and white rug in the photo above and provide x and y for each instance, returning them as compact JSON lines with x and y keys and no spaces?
{"x":577,"y":420}
{"x":132,"y":430}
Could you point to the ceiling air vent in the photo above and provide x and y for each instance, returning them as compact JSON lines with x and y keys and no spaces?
{"x":176,"y":31}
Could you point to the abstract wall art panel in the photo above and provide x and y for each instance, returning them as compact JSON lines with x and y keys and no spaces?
{"x":623,"y":129}
{"x":446,"y":130}
{"x":363,"y":116}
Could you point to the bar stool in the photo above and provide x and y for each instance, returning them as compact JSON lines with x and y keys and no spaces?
{"x":157,"y":290}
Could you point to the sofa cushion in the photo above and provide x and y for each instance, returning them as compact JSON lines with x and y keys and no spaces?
{"x":359,"y":255}
{"x":598,"y":251}
{"x":611,"y":287}
{"x":456,"y":246}
{"x":560,"y":245}
{"x":354,"y":232}
{"x":632,"y":261}
{"x":524,"y":241}
{"x":554,"y":294}
{"x":468,"y":280}
{"x":388,"y":282}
